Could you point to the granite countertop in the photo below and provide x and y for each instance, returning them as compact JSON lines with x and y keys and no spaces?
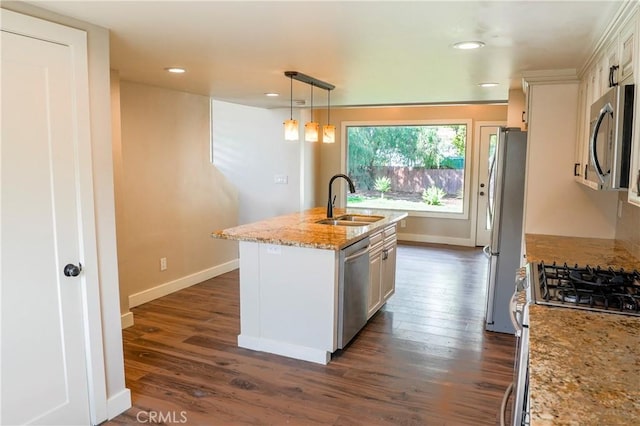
{"x":301,"y":230}
{"x":581,"y":251}
{"x":584,"y":366}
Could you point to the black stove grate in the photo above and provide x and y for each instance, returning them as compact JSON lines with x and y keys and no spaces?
{"x":594,"y":288}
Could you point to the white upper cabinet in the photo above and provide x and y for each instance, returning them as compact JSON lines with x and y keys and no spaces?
{"x":612,"y":65}
{"x":627,"y":46}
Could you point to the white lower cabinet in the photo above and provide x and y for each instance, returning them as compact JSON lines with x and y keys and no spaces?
{"x":375,"y":276}
{"x":382,"y":270}
{"x":389,"y":269}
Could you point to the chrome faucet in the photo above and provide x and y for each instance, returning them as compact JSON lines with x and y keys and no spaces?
{"x":352,"y":189}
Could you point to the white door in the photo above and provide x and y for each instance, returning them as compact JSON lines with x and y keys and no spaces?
{"x":44,"y":373}
{"x":488,"y":141}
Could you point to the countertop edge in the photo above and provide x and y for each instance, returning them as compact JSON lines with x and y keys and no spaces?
{"x":301,"y":230}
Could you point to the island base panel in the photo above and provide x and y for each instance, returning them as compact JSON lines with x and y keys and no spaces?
{"x":285,"y":349}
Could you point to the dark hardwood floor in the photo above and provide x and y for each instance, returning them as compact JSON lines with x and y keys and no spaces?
{"x":424,"y":359}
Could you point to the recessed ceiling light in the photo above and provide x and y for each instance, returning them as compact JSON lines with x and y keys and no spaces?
{"x":488,"y":84}
{"x":175,"y":70}
{"x":272,"y":95}
{"x":468,"y":45}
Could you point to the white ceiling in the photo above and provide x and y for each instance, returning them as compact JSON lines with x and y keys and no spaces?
{"x":375,"y":53}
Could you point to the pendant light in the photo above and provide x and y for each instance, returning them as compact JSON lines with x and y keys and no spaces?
{"x":328,"y":130}
{"x":312,"y":127}
{"x":291,"y":125}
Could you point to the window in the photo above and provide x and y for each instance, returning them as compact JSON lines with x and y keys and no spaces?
{"x":413,"y":167}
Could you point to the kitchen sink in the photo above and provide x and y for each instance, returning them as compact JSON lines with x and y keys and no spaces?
{"x":351,"y":220}
{"x":339,"y":222}
{"x":360,"y":218}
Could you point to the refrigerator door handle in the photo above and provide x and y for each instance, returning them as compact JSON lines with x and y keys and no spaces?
{"x":493,"y":263}
{"x":500,"y":158}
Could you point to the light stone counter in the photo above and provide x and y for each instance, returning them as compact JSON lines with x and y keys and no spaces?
{"x":584,"y":366}
{"x":581,"y":251}
{"x":301,"y":230}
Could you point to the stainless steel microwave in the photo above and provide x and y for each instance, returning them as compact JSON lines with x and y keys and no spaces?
{"x":610,"y":139}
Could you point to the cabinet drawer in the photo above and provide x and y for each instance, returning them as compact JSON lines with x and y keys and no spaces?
{"x":389,"y":231}
{"x":375,"y":238}
{"x":390,"y":242}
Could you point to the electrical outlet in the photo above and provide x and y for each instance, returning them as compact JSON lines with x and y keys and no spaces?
{"x":163,"y":263}
{"x":281,"y":179}
{"x":403,"y":223}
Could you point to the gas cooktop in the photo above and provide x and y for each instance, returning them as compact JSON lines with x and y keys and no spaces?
{"x":592,"y":288}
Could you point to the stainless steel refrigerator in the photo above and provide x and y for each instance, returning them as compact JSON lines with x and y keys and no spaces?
{"x":506,"y":207}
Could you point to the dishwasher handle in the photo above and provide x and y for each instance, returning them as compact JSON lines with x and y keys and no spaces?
{"x":357,"y":254}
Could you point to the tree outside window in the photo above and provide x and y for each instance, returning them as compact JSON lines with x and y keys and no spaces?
{"x":424,"y":166}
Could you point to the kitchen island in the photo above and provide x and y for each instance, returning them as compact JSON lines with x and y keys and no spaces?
{"x":584,"y":367}
{"x":290,"y":279}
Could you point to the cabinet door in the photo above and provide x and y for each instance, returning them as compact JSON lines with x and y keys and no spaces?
{"x":582,"y":130}
{"x":610,"y":67}
{"x":634,"y":184}
{"x":389,"y":269}
{"x":627,"y":43}
{"x":634,"y":172}
{"x":375,"y":279}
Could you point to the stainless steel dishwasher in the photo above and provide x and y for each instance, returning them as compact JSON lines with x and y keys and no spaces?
{"x":353,"y":290}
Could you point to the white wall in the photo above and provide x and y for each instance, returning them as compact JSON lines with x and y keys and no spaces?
{"x":555,"y":203}
{"x":169,"y":197}
{"x":250,"y":150}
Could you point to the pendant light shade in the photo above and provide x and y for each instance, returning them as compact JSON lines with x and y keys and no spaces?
{"x":311,"y":131}
{"x":329,"y":133}
{"x":328,"y":130}
{"x":311,"y":128}
{"x":291,"y":129}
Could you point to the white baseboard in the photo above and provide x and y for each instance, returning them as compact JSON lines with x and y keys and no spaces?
{"x":285,"y":349}
{"x":126,"y":320}
{"x":421,"y":238}
{"x":119,"y":403}
{"x":184,"y":282}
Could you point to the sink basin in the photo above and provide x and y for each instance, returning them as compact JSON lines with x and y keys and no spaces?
{"x":351,"y":220}
{"x":340,"y":222}
{"x":360,"y":218}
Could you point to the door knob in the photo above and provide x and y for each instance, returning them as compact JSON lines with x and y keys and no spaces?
{"x":481,"y":192}
{"x":482,"y":185}
{"x":72,"y":270}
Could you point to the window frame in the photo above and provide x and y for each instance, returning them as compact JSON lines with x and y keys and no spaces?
{"x":468,"y":166}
